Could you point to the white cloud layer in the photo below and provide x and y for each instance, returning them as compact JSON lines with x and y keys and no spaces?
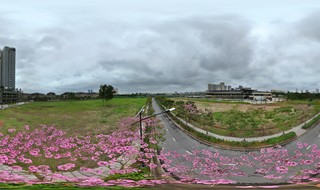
{"x":163,"y":46}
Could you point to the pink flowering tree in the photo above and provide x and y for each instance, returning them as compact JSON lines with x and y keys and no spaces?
{"x":48,"y":151}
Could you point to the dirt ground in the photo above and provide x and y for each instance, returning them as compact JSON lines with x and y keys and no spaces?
{"x":222,"y":107}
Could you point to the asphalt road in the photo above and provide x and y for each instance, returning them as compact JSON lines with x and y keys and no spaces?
{"x":180,"y":142}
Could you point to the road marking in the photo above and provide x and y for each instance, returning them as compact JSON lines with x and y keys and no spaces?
{"x":308,"y":147}
{"x":174,"y":139}
{"x":189,"y":152}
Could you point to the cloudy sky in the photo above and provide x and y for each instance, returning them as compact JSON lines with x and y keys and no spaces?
{"x":163,"y":45}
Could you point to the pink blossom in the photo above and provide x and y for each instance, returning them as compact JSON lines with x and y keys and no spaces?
{"x":33,"y":169}
{"x":152,"y":166}
{"x":66,"y":167}
{"x":3,"y":158}
{"x":16,"y":167}
{"x":308,"y":162}
{"x":103,"y":163}
{"x":57,"y":156}
{"x":11,"y":130}
{"x":27,"y":127}
{"x":44,"y":169}
{"x":26,"y":161}
{"x":34,"y":152}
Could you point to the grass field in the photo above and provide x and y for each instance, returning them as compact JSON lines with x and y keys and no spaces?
{"x":77,"y":117}
{"x":251,"y":120}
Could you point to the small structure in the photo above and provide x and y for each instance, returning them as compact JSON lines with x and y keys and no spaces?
{"x":8,"y":96}
{"x":260,"y":96}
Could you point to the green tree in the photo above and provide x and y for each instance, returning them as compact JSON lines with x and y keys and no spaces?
{"x":106,"y":92}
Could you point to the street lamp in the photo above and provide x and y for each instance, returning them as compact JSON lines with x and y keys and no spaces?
{"x":141,"y":119}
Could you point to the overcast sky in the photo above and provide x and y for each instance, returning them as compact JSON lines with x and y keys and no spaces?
{"x":162,"y":45}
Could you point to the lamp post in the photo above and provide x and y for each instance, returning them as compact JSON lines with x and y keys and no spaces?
{"x":141,"y":119}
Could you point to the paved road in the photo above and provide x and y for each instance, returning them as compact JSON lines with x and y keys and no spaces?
{"x":182,"y":143}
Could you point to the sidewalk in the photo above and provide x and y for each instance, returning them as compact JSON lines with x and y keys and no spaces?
{"x":6,"y":106}
{"x":298,"y":130}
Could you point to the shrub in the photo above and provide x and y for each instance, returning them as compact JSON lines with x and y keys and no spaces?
{"x":311,"y":123}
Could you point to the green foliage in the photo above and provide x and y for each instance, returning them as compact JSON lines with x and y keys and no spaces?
{"x":106,"y":92}
{"x":302,"y":96}
{"x":312,"y":122}
{"x":150,"y":109}
{"x":164,"y":101}
{"x":67,"y":96}
{"x":218,"y":116}
{"x":246,"y":122}
{"x":276,"y":140}
{"x":136,"y":176}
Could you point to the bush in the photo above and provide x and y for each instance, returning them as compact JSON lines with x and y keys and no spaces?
{"x":136,"y":176}
{"x":311,"y":123}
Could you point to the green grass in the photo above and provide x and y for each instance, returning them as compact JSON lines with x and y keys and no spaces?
{"x":144,"y":174}
{"x":78,"y":117}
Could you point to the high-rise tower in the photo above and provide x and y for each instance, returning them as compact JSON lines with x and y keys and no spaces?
{"x":8,"y":68}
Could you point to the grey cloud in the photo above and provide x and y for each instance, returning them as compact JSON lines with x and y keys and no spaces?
{"x":50,"y":42}
{"x":189,"y":53}
{"x":181,"y":54}
{"x":230,"y":47}
{"x":310,"y":26}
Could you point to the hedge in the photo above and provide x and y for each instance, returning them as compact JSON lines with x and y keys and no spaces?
{"x":311,"y":123}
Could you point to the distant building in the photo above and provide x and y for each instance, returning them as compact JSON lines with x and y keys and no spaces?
{"x":84,"y":95}
{"x":37,"y":96}
{"x":8,"y":93}
{"x":227,"y":92}
{"x":8,"y":68}
{"x":215,"y":87}
{"x":8,"y":96}
{"x":317,"y":91}
{"x":51,"y":95}
{"x":260,"y":96}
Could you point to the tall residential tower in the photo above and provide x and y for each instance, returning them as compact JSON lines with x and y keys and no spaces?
{"x":8,"y":68}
